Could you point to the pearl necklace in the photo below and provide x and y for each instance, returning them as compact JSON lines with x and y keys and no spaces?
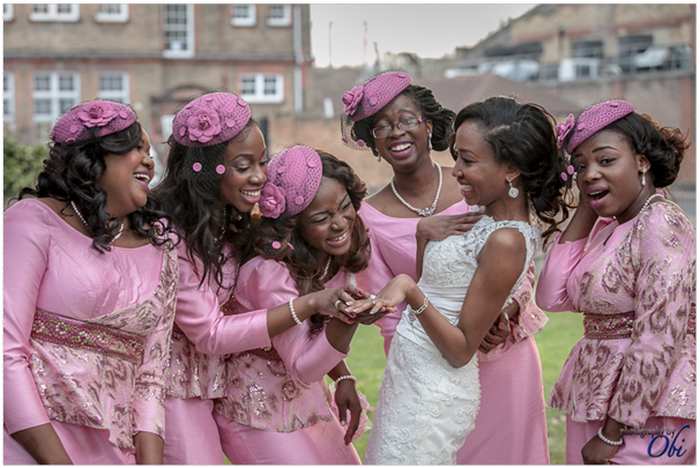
{"x":421,"y":211}
{"x":82,"y":220}
{"x":646,"y":203}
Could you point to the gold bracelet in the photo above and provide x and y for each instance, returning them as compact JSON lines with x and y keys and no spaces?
{"x":422,"y":308}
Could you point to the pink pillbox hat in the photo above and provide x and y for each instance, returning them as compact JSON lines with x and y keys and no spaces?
{"x":591,"y":121}
{"x":368,"y":98}
{"x":293,"y":178}
{"x":211,"y":119}
{"x":90,"y":119}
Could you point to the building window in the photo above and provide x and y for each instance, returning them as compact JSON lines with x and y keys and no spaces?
{"x":54,"y":94}
{"x":8,"y":12}
{"x":279,"y":15}
{"x":179,"y":31}
{"x":262,"y":88}
{"x":243,"y":15}
{"x":114,"y":86}
{"x":634,"y":44}
{"x":112,"y":13}
{"x":8,"y":97}
{"x":587,"y":49}
{"x":55,"y":12}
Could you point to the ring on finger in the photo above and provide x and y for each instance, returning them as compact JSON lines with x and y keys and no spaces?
{"x":337,"y":303}
{"x":373,"y":298}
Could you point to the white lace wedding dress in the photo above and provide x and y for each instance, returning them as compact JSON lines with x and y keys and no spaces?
{"x":426,"y":407}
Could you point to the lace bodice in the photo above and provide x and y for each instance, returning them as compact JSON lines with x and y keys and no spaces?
{"x":449,"y":266}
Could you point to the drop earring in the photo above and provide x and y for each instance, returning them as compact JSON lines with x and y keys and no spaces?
{"x":513,"y":192}
{"x":644,"y":178}
{"x":430,"y":142}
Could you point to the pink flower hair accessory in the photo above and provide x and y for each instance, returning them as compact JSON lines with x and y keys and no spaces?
{"x":563,"y":129}
{"x":293,"y":178}
{"x":220,"y":169}
{"x":211,"y":119}
{"x":91,"y":119}
{"x":596,"y":118}
{"x":351,"y":99}
{"x":272,"y":202}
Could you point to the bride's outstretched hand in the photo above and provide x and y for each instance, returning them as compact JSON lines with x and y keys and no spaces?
{"x":393,"y":294}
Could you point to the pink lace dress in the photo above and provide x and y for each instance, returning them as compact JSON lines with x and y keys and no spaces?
{"x":510,"y":375}
{"x":202,"y":337}
{"x":635,"y":284}
{"x":277,"y":408}
{"x":86,"y":337}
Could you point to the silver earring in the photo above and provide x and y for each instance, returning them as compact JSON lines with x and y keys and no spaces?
{"x":430,"y":143}
{"x":644,"y":178}
{"x":513,"y":192}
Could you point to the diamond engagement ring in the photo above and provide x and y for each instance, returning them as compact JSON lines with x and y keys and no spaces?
{"x":373,"y":298}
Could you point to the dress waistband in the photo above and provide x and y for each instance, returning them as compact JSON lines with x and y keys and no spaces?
{"x":54,"y":328}
{"x":608,"y":327}
{"x":617,"y":326}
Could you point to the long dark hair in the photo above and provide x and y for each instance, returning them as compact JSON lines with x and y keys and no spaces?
{"x":430,"y":109}
{"x":300,"y":257}
{"x":523,"y":135}
{"x":193,"y":202}
{"x":71,"y":172}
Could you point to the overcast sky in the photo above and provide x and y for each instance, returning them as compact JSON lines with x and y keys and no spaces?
{"x":427,"y":30}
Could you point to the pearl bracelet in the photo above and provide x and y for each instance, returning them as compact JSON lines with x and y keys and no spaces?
{"x":295,"y":317}
{"x":614,"y":443}
{"x":345,"y":377}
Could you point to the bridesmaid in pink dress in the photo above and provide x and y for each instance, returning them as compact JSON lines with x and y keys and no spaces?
{"x":89,"y":299}
{"x":627,"y":262}
{"x":400,"y":123}
{"x":310,"y":238}
{"x":216,"y":169}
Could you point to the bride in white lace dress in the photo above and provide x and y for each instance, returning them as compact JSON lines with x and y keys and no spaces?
{"x":507,"y":160}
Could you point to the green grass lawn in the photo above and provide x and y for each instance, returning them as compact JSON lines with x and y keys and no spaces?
{"x":555,"y":341}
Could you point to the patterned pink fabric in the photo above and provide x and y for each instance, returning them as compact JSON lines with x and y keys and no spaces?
{"x":293,"y":178}
{"x":91,"y":119}
{"x":51,"y":266}
{"x":646,"y":265}
{"x":394,"y":242}
{"x":592,"y":120}
{"x":285,"y":394}
{"x":211,"y":119}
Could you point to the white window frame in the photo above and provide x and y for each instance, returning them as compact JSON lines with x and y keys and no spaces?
{"x":166,"y":125}
{"x":8,"y":12}
{"x":188,"y":52}
{"x":9,"y":97}
{"x":54,"y":94}
{"x":286,"y":20}
{"x":52,"y":13}
{"x":259,"y":95}
{"x":121,"y":95}
{"x":242,"y":21}
{"x":107,"y":17}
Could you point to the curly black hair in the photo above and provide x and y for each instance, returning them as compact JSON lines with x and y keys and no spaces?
{"x":193,"y":202}
{"x":523,"y":135}
{"x":300,"y":257}
{"x":71,"y":172}
{"x":429,"y":107}
{"x":664,"y":147}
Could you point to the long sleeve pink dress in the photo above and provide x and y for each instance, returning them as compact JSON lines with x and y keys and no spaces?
{"x":510,"y":375}
{"x":277,"y":409}
{"x":635,"y":284}
{"x":86,"y":337}
{"x":202,"y":337}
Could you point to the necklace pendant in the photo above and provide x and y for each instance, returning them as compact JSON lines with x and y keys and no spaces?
{"x":425,"y":212}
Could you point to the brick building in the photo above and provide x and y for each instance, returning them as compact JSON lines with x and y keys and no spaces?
{"x":155,"y":57}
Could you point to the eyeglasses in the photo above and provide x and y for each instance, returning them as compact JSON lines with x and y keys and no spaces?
{"x":405,"y":123}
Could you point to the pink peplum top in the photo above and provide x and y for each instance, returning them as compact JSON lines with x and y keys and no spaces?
{"x":279,"y":389}
{"x":203,"y":335}
{"x":635,"y":284}
{"x":394,"y":244}
{"x":86,"y":334}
